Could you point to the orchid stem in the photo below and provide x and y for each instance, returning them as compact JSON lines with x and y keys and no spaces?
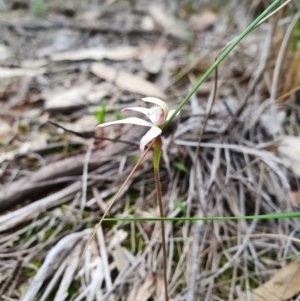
{"x":156,"y":160}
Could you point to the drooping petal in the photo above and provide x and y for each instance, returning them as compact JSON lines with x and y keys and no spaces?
{"x":171,"y":113}
{"x":145,"y":111}
{"x":158,"y":102}
{"x":130,"y":120}
{"x":150,"y":135}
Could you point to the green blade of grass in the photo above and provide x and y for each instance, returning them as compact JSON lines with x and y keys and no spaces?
{"x":222,"y":57}
{"x":212,"y":218}
{"x":181,"y":167}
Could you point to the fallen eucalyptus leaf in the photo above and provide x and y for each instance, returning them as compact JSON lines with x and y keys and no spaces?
{"x":203,"y":20}
{"x":121,"y":53}
{"x":16,"y":72}
{"x":126,"y":81}
{"x":273,"y":121}
{"x":66,"y":99}
{"x":5,"y":131}
{"x":152,"y":59}
{"x":151,"y":288}
{"x":282,"y":286}
{"x":289,"y":151}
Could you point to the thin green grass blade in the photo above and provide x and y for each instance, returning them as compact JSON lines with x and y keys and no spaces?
{"x":212,"y":218}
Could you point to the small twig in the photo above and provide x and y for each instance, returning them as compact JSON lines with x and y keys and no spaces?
{"x":16,"y":99}
{"x":68,"y":272}
{"x":88,"y":136}
{"x":54,"y":259}
{"x":104,"y":257}
{"x":289,"y":93}
{"x":85,"y":174}
{"x":9,"y":285}
{"x":54,"y":279}
{"x":99,"y":28}
{"x":32,"y":210}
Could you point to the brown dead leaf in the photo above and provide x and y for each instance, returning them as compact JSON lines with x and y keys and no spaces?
{"x":34,"y":64}
{"x":117,"y":239}
{"x":272,"y":122}
{"x":120,"y":259}
{"x":295,"y":197}
{"x":126,"y":81}
{"x":147,"y":23}
{"x":62,"y":40}
{"x":16,"y":72}
{"x":121,"y":53}
{"x":289,"y":150}
{"x":35,"y":141}
{"x":207,"y":87}
{"x":100,"y":91}
{"x":4,"y":52}
{"x":282,"y":286}
{"x":66,"y":99}
{"x":152,"y":59}
{"x":203,"y":20}
{"x":5,"y":131}
{"x":152,"y":287}
{"x":172,"y":26}
{"x":7,"y":155}
{"x":86,"y":123}
{"x":118,"y":252}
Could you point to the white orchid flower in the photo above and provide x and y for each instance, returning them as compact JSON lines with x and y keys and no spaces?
{"x":157,"y":114}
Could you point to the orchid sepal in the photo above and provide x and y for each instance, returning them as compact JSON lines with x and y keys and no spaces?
{"x":130,"y":120}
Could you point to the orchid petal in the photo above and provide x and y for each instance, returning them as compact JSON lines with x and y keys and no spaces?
{"x":150,"y":135}
{"x":131,"y":120}
{"x":157,"y":115}
{"x":158,"y":102}
{"x":145,"y":111}
{"x":171,"y":113}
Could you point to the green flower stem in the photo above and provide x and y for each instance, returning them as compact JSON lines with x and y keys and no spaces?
{"x":212,"y":218}
{"x":157,"y":153}
{"x":156,"y":160}
{"x":222,"y":57}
